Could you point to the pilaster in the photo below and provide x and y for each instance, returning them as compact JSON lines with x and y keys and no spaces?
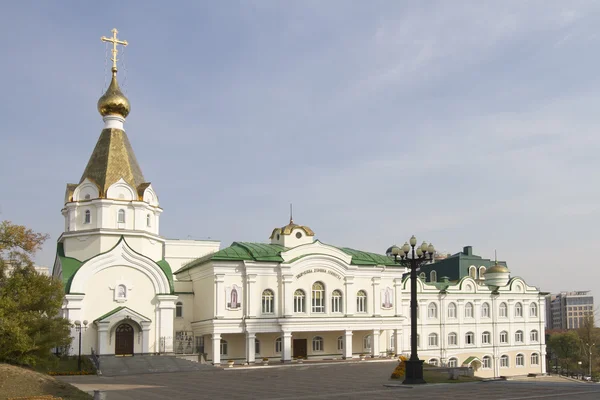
{"x":219,"y":295}
{"x":350,"y":296}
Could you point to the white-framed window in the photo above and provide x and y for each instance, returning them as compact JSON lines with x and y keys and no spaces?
{"x":481,"y":272}
{"x":434,"y":362}
{"x":504,"y":361}
{"x":452,"y":310}
{"x":336,"y":301}
{"x":534,"y":336}
{"x":433,"y":276}
{"x":367,"y":342}
{"x":317,"y":343}
{"x":267,"y":301}
{"x":256,"y":346}
{"x":278,"y":345}
{"x":340,"y":343}
{"x":318,"y":297}
{"x":223,"y":347}
{"x":485,"y":310}
{"x":453,"y":362}
{"x":473,"y":272}
{"x":361,"y":301}
{"x":504,"y":337}
{"x":87,"y":218}
{"x":519,"y":337}
{"x":535,"y":359}
{"x":486,"y":362}
{"x":533,"y":310}
{"x":423,"y":276}
{"x":469,"y":310}
{"x":518,"y":310}
{"x":433,"y":340}
{"x":432,"y":310}
{"x":469,"y":338}
{"x":121,"y":216}
{"x":503,"y":310}
{"x":486,"y":338}
{"x":299,"y":298}
{"x":452,"y":339}
{"x":148,"y":220}
{"x":520,"y":360}
{"x":179,"y":309}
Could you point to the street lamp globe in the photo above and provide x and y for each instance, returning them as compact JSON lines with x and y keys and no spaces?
{"x":413,"y":241}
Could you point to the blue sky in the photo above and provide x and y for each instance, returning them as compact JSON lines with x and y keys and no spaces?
{"x":464,"y":123}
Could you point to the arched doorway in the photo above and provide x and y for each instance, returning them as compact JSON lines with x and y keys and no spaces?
{"x":124,"y":340}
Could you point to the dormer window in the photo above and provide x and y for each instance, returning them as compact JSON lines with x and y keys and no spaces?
{"x":87,"y":217}
{"x":87,"y":197}
{"x":121,"y":216}
{"x":298,"y":235}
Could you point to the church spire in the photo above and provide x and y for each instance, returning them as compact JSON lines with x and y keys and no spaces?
{"x":113,"y":105}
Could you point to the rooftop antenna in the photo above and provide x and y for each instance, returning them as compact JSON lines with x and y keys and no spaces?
{"x":495,"y":257}
{"x":291,"y":213}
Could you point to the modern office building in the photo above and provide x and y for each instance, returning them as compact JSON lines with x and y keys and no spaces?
{"x":567,"y":310}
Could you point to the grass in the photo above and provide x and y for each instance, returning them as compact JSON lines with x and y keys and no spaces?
{"x":66,"y":366}
{"x":433,"y":376}
{"x":20,"y":382}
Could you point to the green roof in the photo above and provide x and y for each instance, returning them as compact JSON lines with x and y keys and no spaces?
{"x":166,"y":268}
{"x":470,"y":360}
{"x":116,"y":310}
{"x":365,"y":258}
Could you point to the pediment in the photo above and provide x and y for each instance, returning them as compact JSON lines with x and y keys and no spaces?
{"x":314,"y":249}
{"x":122,"y":313}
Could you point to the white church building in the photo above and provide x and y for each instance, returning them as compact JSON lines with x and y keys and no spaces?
{"x":135,"y":292}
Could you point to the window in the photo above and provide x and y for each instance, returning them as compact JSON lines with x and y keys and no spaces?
{"x":393,"y":342}
{"x":504,"y":361}
{"x":367,"y":342}
{"x":422,"y":276}
{"x":535,"y":359}
{"x":533,"y":310}
{"x":452,"y":339}
{"x":179,"y":309}
{"x":470,"y":338}
{"x":267,"y":301}
{"x":87,"y":217}
{"x":453,"y":362}
{"x":520,"y":360}
{"x":519,"y":336}
{"x":299,"y":301}
{"x":278,"y":345}
{"x":503,"y":310}
{"x":87,"y":197}
{"x":452,"y":310}
{"x":533,"y":336}
{"x":433,"y":276}
{"x":256,"y":346}
{"x":518,"y":310}
{"x":148,"y":220}
{"x":318,"y":297}
{"x":361,"y":301}
{"x":486,"y":338}
{"x":485,"y":310}
{"x":434,"y":362}
{"x":336,"y":301}
{"x":121,"y":216}
{"x":469,"y":310}
{"x":481,"y":272}
{"x":223,"y":347}
{"x":504,"y":337}
{"x":432,"y":310}
{"x":433,"y":340}
{"x":340,"y":343}
{"x":487,"y":362}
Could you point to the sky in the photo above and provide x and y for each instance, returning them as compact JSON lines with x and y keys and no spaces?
{"x":463,"y":123}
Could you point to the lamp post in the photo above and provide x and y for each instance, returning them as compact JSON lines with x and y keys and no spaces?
{"x":589,"y":346}
{"x":79,"y":328}
{"x":413,"y":256}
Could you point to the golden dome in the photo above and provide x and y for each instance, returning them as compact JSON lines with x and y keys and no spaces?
{"x":497,"y":269}
{"x":287,"y":230}
{"x":114,"y":101}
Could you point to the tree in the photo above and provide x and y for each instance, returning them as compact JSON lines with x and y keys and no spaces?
{"x":30,"y":303}
{"x":589,"y":336}
{"x":565,"y":346}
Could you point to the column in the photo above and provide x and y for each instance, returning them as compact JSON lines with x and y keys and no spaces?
{"x":145,"y":337}
{"x":166,"y":306}
{"x":376,"y":296}
{"x":216,"y":348}
{"x":219,"y":295}
{"x":348,"y":345}
{"x":398,"y":297}
{"x":250,"y":347}
{"x":350,"y":304}
{"x":375,"y":343}
{"x":286,"y":354}
{"x":398,"y":341}
{"x":288,"y":296}
{"x":250,"y":296}
{"x":103,"y":336}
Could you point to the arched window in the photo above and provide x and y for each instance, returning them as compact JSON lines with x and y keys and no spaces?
{"x":453,"y":362}
{"x":473,"y":272}
{"x":148,"y":220}
{"x":533,"y":310}
{"x":367,"y":342}
{"x":433,"y":340}
{"x":518,"y":310}
{"x":504,"y":337}
{"x":256,"y":346}
{"x":299,"y":301}
{"x":469,"y":310}
{"x":434,"y":362}
{"x":317,"y":343}
{"x":534,"y":336}
{"x":267,"y":301}
{"x":336,"y":301}
{"x":432,"y":310}
{"x":422,"y":276}
{"x":340,"y":343}
{"x":121,"y":216}
{"x":504,"y":361}
{"x":318,"y":297}
{"x":452,"y":310}
{"x":452,"y":339}
{"x":535,"y":359}
{"x":87,"y":197}
{"x":433,"y":276}
{"x":469,"y":338}
{"x":487,"y":362}
{"x":519,"y":337}
{"x":223,"y":347}
{"x":361,"y":301}
{"x":481,"y":272}
{"x":485,"y":310}
{"x":503,"y":310}
{"x":87,"y":217}
{"x":179,"y":309}
{"x":486,"y":338}
{"x":278,"y":345}
{"x":520,"y":360}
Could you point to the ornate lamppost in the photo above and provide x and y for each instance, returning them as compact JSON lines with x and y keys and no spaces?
{"x":79,"y":328}
{"x":413,"y":256}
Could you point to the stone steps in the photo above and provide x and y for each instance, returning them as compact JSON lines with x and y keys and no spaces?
{"x":148,"y":364}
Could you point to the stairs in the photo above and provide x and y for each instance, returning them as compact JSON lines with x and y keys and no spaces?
{"x":116,"y":366}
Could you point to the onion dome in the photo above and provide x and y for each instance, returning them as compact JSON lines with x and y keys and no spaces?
{"x":497,"y":275}
{"x":287,"y":230}
{"x":114,"y":102}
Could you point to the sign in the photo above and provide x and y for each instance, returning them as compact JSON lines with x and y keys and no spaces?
{"x":316,"y":270}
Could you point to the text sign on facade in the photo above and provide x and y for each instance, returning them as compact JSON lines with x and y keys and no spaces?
{"x":315,"y":270}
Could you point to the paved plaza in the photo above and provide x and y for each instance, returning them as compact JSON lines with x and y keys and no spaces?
{"x":365,"y":380}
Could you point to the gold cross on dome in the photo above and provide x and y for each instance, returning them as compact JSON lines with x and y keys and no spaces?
{"x":115,"y":42}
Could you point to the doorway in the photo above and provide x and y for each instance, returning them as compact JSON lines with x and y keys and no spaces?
{"x":300,"y":348}
{"x":124,"y":340}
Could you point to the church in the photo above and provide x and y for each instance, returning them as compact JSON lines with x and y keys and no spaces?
{"x":288,"y":299}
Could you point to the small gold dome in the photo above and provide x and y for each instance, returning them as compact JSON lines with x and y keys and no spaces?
{"x":497,"y":269}
{"x":114,"y":101}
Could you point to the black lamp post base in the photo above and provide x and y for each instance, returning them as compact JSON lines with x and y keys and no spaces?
{"x":414,"y":373}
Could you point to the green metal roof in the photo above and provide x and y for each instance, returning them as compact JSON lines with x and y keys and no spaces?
{"x":116,"y":310}
{"x":364,"y":258}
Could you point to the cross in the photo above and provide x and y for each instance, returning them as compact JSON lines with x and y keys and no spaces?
{"x":115,"y":42}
